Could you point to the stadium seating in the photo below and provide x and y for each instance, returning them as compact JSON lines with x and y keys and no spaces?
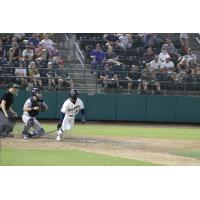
{"x":132,"y":55}
{"x":135,"y":56}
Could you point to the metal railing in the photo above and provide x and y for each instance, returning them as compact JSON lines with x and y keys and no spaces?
{"x":188,"y":83}
{"x":78,"y":55}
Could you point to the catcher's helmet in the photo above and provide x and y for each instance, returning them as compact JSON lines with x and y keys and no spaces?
{"x":74,"y":93}
{"x":13,"y":85}
{"x":37,"y":92}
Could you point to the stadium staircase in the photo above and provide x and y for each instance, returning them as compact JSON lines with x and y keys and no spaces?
{"x":84,"y":81}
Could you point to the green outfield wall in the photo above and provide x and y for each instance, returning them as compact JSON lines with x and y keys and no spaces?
{"x":121,"y":107}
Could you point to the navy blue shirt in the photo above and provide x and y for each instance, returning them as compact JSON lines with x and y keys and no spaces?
{"x":112,"y":38}
{"x":99,"y":55}
{"x":33,"y":41}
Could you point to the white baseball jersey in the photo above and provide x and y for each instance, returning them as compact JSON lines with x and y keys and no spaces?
{"x":72,"y":109}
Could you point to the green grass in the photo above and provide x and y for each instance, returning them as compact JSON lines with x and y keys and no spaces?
{"x":57,"y":157}
{"x":191,"y":154}
{"x":21,"y":157}
{"x":128,"y":130}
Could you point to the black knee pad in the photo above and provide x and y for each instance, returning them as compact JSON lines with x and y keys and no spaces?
{"x":30,"y":122}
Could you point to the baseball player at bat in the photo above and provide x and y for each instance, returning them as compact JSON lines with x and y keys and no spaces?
{"x":32,"y":107}
{"x":70,"y":108}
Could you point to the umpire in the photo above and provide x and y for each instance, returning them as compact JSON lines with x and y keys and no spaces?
{"x":7,"y":114}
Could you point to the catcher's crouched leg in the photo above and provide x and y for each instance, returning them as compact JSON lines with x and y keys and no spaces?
{"x":27,"y":127}
{"x":38,"y":133}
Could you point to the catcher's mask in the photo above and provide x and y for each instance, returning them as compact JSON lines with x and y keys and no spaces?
{"x":74,"y":94}
{"x":36,"y":92}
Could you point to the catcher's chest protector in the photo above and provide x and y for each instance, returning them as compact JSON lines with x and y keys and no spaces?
{"x":34,"y":113}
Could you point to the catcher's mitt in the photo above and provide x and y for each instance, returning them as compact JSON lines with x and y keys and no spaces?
{"x":42,"y":107}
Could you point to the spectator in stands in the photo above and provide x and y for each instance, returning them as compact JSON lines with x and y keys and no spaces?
{"x":63,"y":77}
{"x":196,"y":73}
{"x":34,"y":75}
{"x":14,"y":53}
{"x":21,"y":74}
{"x":151,"y":39}
{"x":2,"y":53}
{"x":184,"y":39}
{"x":181,"y":71}
{"x":149,"y":55}
{"x":109,"y":78}
{"x":13,"y":40}
{"x":163,"y":54}
{"x":33,"y":41}
{"x":147,"y":38}
{"x":7,"y":40}
{"x":55,"y":61}
{"x":168,"y":65}
{"x":182,"y":65}
{"x":155,"y":64}
{"x":111,"y":57}
{"x":112,"y":39}
{"x":98,"y":58}
{"x":132,"y":77}
{"x":190,"y":57}
{"x":50,"y":75}
{"x":171,"y":49}
{"x":41,"y":55}
{"x":28,"y":54}
{"x":54,"y":52}
{"x":47,"y":43}
{"x":19,"y":37}
{"x":155,"y":40}
{"x":148,"y":78}
{"x":124,"y":41}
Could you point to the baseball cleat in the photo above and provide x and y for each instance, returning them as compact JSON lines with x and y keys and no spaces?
{"x":58,"y":138}
{"x":26,"y":136}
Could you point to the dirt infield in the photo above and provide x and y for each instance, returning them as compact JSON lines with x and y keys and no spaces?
{"x":158,"y":151}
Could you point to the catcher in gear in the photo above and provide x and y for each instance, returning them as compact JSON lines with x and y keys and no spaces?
{"x":32,"y":107}
{"x":70,"y":108}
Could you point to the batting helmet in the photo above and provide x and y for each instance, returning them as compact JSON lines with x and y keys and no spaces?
{"x":37,"y":92}
{"x":74,"y":93}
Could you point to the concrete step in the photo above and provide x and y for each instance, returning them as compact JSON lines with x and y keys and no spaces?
{"x":80,"y":74}
{"x":83,"y":82}
{"x":87,"y":86}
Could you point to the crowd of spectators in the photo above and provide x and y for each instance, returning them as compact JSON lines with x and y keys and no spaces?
{"x":32,"y":60}
{"x":140,"y":61}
